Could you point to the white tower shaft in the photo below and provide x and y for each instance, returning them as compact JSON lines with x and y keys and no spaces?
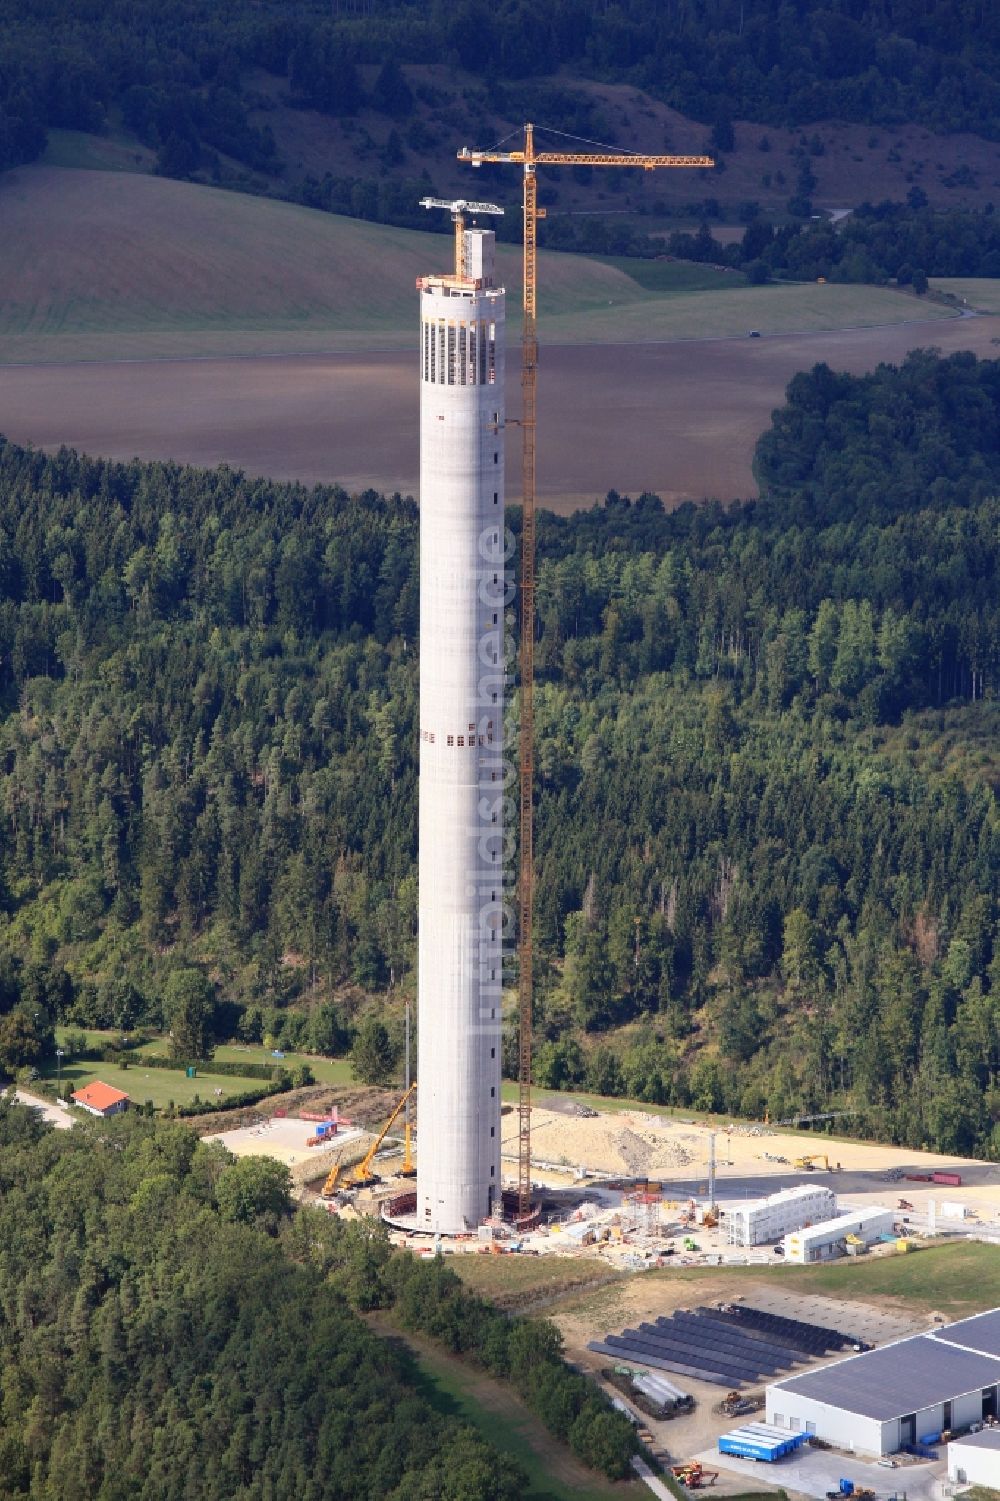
{"x":462,"y":591}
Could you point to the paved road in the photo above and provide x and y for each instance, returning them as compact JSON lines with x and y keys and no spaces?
{"x":56,"y":1115}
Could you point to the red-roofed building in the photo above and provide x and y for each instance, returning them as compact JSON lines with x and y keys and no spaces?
{"x":101,"y":1099}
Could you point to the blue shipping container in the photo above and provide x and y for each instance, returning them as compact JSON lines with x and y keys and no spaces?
{"x":750,"y":1445}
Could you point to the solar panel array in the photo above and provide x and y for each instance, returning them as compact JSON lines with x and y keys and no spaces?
{"x":811,"y":1339}
{"x":734,"y":1348}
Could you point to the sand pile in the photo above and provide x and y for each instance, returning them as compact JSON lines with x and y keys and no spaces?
{"x":631,"y":1143}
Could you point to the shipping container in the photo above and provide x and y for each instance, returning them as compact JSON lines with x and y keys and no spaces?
{"x":761,"y":1441}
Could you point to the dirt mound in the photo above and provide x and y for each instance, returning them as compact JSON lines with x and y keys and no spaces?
{"x":362,"y":1104}
{"x":635,"y":1144}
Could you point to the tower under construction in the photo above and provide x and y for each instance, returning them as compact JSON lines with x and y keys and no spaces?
{"x":461,"y":856}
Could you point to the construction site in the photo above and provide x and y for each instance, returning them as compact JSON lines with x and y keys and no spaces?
{"x":633,"y":1188}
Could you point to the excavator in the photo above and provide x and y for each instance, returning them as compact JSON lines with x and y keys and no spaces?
{"x":808,"y":1164}
{"x":361,"y":1175}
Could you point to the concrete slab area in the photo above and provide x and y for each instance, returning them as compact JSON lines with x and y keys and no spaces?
{"x":813,"y":1472}
{"x":869,"y":1324}
{"x":55,"y":1115}
{"x":284,"y":1139}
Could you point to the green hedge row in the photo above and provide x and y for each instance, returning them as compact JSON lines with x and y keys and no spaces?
{"x":235,"y":1101}
{"x":268,"y":1071}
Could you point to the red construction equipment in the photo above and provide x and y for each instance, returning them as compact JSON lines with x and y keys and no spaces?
{"x":694,"y":1475}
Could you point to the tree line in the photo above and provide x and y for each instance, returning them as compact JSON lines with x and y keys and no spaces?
{"x":901,"y":242}
{"x":428,"y":1297}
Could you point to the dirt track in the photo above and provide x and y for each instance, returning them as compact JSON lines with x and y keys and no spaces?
{"x":680,"y":419}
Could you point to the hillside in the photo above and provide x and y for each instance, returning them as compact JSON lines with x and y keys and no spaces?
{"x":200,"y":1340}
{"x":352,"y":109}
{"x":85,"y":250}
{"x":850,"y":162}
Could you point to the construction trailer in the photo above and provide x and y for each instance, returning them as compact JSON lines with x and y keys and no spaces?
{"x":904,"y":1394}
{"x":759,"y":1222}
{"x":831,"y":1238}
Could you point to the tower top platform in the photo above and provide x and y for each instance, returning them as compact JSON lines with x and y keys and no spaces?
{"x":475,"y":267}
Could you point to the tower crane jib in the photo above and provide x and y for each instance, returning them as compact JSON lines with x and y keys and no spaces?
{"x":459,"y":208}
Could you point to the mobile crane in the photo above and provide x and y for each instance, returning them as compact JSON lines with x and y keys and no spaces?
{"x":361,"y":1175}
{"x":528,"y":159}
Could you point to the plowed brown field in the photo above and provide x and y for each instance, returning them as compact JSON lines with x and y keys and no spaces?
{"x":677,"y":418}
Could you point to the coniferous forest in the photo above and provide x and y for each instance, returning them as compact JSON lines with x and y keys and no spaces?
{"x":767,"y":835}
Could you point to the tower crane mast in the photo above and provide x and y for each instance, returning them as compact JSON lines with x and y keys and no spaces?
{"x":528,"y":159}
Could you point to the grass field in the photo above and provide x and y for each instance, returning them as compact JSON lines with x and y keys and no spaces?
{"x":89,"y":252}
{"x":675,"y":276}
{"x":75,"y":148}
{"x":457,"y":1389}
{"x":325,"y":1070}
{"x":157,"y":1084}
{"x":117,"y":264}
{"x":513,"y":1280}
{"x":955,"y":1279}
{"x":980,"y":292}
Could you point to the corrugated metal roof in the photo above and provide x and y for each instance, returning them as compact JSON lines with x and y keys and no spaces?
{"x":988,"y":1439}
{"x":981,"y":1332}
{"x":898,"y":1379}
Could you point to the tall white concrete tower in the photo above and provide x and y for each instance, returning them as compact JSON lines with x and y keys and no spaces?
{"x":461,"y":859}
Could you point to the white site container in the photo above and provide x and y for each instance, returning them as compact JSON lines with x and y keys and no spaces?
{"x":823,"y":1241}
{"x":760,"y":1221}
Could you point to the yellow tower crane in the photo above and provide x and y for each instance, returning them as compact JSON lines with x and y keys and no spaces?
{"x":528,"y":159}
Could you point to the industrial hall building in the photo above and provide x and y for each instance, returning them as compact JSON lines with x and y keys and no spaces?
{"x":908,"y":1392}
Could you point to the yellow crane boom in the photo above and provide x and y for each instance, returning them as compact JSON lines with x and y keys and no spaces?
{"x":528,"y":159}
{"x":361,"y":1173}
{"x":363,"y":1169}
